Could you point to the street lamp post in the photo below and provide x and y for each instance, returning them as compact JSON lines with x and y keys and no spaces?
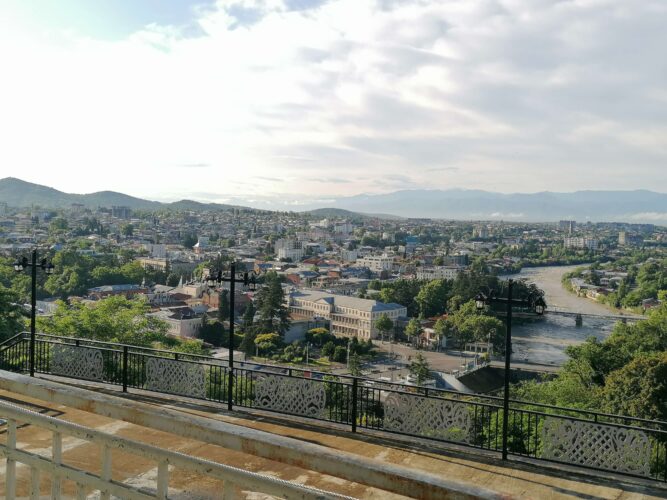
{"x":47,"y":267}
{"x":233,"y":278}
{"x":538,"y":304}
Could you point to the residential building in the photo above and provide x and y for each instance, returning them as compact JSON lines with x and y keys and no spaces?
{"x":121,"y":212}
{"x":376,"y":263}
{"x":182,"y":321}
{"x":581,"y":243}
{"x":349,"y":316}
{"x":289,"y":249}
{"x":439,"y":272}
{"x":567,"y":225}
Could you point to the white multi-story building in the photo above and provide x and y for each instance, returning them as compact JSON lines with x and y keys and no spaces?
{"x":289,"y":249}
{"x":349,"y":316}
{"x":348,"y":255}
{"x":581,"y":242}
{"x":376,"y":263}
{"x":439,"y":272}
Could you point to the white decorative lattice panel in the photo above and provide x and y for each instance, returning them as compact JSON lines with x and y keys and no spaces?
{"x":428,"y":417}
{"x":78,"y":362}
{"x":596,"y":445}
{"x":175,"y":377}
{"x":298,"y":396}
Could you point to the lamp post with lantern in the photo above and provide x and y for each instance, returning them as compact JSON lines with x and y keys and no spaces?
{"x":537,"y":303}
{"x":247,"y":279}
{"x":19,"y":266}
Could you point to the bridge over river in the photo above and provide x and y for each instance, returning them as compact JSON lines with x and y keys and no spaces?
{"x":569,"y":320}
{"x":561,"y":311}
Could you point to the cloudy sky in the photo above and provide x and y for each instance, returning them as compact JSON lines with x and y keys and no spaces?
{"x":296,"y":99}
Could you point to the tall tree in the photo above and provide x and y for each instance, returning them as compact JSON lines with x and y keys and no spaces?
{"x":355,"y":365}
{"x":420,"y":369}
{"x":11,"y":314}
{"x":432,"y":298}
{"x":273,"y":314}
{"x":384,"y":324}
{"x":414,"y":329}
{"x":223,"y":305}
{"x":639,"y":389}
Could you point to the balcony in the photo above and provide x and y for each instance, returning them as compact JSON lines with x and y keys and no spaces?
{"x":547,"y":440}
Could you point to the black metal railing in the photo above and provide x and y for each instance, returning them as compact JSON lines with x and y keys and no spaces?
{"x":582,"y":438}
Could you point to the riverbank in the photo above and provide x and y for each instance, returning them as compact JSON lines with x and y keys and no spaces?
{"x":566,"y":283}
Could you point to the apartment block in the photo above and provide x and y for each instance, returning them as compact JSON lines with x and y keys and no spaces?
{"x":289,"y":249}
{"x":439,"y":272}
{"x":581,"y":242}
{"x":376,"y":263}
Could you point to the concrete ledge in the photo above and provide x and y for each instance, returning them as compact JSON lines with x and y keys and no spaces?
{"x":384,"y":476}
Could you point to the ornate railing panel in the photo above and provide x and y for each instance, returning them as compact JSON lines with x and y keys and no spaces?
{"x":427,"y":417}
{"x":576,"y":437}
{"x":296,"y":396}
{"x":601,"y":446}
{"x":77,"y":362}
{"x":175,"y":377}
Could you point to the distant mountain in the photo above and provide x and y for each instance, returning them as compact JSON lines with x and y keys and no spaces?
{"x":18,"y":193}
{"x":340,"y":212}
{"x":620,"y":206}
{"x":626,"y":206}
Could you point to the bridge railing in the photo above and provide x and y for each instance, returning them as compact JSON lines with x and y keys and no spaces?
{"x":582,"y":438}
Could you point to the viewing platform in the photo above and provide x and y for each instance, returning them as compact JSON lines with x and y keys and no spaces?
{"x":338,"y":434}
{"x":306,"y":455}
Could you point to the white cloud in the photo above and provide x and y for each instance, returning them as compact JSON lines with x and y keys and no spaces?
{"x":519,"y":96}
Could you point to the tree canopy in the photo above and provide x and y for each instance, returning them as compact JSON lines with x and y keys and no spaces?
{"x":114,"y":319}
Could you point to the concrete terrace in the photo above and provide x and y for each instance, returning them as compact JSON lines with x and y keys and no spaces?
{"x":407,"y":461}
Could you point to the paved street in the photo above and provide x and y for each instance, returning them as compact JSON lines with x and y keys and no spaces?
{"x":394,"y":359}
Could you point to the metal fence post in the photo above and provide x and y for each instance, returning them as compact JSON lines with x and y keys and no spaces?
{"x":125,"y":349}
{"x":355,"y":384}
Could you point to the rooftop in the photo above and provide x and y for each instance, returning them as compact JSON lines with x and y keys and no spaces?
{"x":367,"y":305}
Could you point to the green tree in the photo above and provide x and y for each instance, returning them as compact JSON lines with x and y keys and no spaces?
{"x":248,"y":315}
{"x":223,"y":305}
{"x":443,"y":328}
{"x":189,"y":240}
{"x":214,"y":333}
{"x":273,"y":314}
{"x":375,"y":285}
{"x":340,"y":354}
{"x":248,"y":342}
{"x":114,"y":319}
{"x":58,"y":225}
{"x":420,"y":369}
{"x":267,"y":342}
{"x":319,"y":336}
{"x":384,"y":324}
{"x":402,"y":292}
{"x":432,"y":298}
{"x":413,"y":329}
{"x":11,"y":315}
{"x":355,"y":365}
{"x":639,"y":389}
{"x":328,"y":349}
{"x":127,"y":230}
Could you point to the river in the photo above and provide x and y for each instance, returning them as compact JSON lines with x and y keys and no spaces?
{"x":544,"y":341}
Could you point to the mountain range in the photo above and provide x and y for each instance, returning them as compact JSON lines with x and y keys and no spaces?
{"x":622,"y":206}
{"x":19,"y":193}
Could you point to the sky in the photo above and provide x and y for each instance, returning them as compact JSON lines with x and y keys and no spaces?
{"x":294,"y":100}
